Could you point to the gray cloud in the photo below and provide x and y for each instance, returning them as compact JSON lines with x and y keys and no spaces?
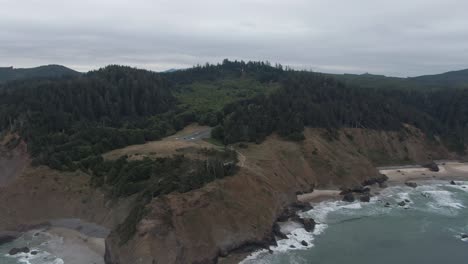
{"x":398,"y":37}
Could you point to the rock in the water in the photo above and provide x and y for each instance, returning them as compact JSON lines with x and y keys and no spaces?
{"x":305,"y":244}
{"x":387,"y":204}
{"x":349,"y":197}
{"x":309,"y":224}
{"x":383,"y":185}
{"x":292,"y":246}
{"x":402,"y":203}
{"x":411,"y":184}
{"x":15,"y":251}
{"x":464,"y":236}
{"x":365,"y":198}
{"x":407,"y":201}
{"x":34,"y":252}
{"x":453,"y":183}
{"x":277,"y":232}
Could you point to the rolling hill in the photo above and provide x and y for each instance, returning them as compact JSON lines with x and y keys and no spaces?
{"x":47,"y":71}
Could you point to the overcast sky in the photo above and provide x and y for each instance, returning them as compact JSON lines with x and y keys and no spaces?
{"x":392,"y":37}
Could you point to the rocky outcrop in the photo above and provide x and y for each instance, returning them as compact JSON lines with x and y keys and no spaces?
{"x":432,"y":166}
{"x":234,"y":212}
{"x":365,"y":198}
{"x":349,"y":197}
{"x":15,"y":251}
{"x":7,"y":237}
{"x":411,"y":184}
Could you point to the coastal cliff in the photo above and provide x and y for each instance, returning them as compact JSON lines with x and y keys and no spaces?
{"x":204,"y":224}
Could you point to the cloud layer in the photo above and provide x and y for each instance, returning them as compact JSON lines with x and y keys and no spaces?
{"x":398,"y":37}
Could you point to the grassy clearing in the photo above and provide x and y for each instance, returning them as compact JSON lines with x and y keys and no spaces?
{"x":214,"y":95}
{"x":214,"y":141}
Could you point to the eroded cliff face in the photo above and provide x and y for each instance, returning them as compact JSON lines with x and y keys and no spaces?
{"x":34,"y":195}
{"x":13,"y":158}
{"x":199,"y":226}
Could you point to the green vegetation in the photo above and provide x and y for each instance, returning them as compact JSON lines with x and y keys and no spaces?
{"x":49,"y":71}
{"x":205,"y":97}
{"x":149,"y":178}
{"x":449,"y":80}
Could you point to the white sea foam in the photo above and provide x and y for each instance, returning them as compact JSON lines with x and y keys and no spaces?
{"x":438,"y":200}
{"x":442,"y":198}
{"x":41,"y":257}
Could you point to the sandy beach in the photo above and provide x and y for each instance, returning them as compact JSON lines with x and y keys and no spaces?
{"x":77,"y":241}
{"x":74,"y":247}
{"x":397,"y":175}
{"x":319,"y":196}
{"x":448,"y":170}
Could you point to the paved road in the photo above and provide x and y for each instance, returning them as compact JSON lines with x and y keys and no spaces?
{"x":199,"y":135}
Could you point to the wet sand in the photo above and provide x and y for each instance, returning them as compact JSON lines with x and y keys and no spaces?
{"x":75,"y":247}
{"x":319,"y":196}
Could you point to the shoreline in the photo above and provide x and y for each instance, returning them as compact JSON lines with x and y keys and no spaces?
{"x":72,"y":240}
{"x":397,"y":176}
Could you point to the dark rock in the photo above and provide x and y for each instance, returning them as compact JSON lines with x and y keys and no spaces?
{"x":345,"y":191}
{"x":365,"y":198}
{"x":408,"y":201}
{"x":292,"y":246}
{"x":432,"y":166}
{"x":277,"y":232}
{"x":305,"y":244}
{"x":15,"y":251}
{"x":7,"y":237}
{"x":286,"y":214}
{"x":463,"y":236}
{"x":349,"y":197}
{"x":34,"y":252}
{"x":383,"y":185}
{"x":302,"y":206}
{"x":402,"y":203}
{"x":379,"y":179}
{"x":307,"y":223}
{"x":387,"y":204}
{"x":411,"y":184}
{"x":453,"y":183}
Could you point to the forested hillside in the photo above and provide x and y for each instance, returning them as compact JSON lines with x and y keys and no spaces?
{"x":315,"y":100}
{"x":68,"y":123}
{"x":448,"y":80}
{"x":49,"y":71}
{"x":67,"y":120}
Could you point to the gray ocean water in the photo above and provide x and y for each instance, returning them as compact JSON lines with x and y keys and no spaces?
{"x":426,"y":230}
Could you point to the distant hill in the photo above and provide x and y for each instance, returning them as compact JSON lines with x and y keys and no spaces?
{"x":453,"y":79}
{"x":10,"y":73}
{"x":171,"y":70}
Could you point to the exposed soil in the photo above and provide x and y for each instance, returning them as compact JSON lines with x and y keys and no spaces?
{"x":201,"y":225}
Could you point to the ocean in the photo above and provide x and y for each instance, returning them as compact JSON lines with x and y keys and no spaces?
{"x":40,"y":244}
{"x":427,"y":229}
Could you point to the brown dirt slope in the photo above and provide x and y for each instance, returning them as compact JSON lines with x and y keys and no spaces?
{"x":41,"y":194}
{"x":198,"y":226}
{"x":12,"y":161}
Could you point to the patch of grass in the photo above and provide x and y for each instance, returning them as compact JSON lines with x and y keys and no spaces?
{"x":214,"y":141}
{"x":211,"y":96}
